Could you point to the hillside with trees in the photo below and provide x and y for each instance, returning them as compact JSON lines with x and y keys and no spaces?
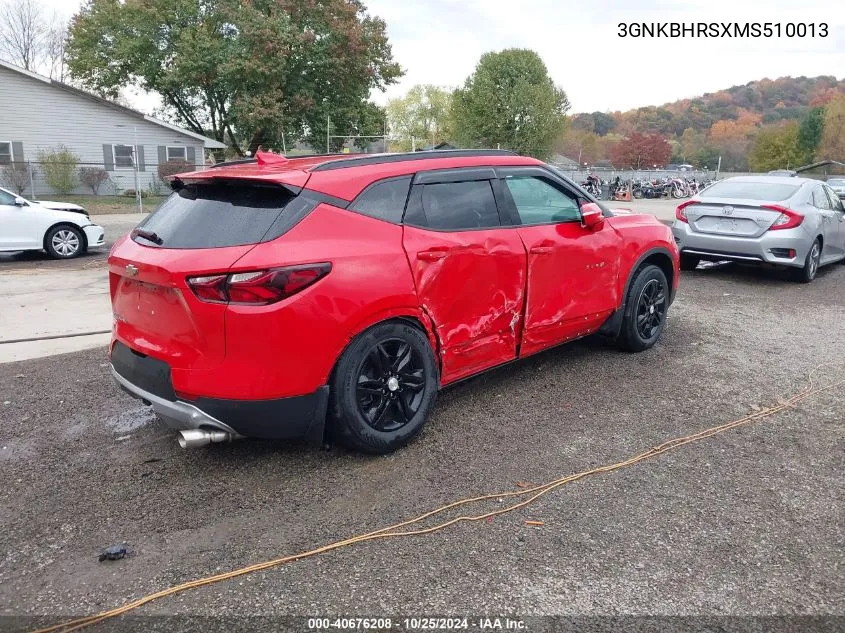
{"x":738,"y":124}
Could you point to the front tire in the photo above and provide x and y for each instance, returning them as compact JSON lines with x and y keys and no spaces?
{"x":645,"y":310}
{"x":811,"y":265}
{"x":64,"y":242}
{"x":383,"y":388}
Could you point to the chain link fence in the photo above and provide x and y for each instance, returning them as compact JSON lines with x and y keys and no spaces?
{"x":36,"y":179}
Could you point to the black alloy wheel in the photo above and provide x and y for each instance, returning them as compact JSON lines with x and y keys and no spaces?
{"x":651,"y":309}
{"x":390,"y":385}
{"x":646,"y":307}
{"x":383,"y":388}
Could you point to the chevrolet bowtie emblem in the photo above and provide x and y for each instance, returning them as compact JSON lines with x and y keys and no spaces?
{"x":131,"y":270}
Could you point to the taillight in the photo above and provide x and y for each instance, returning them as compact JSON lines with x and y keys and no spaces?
{"x":260,"y":287}
{"x":788,"y":219}
{"x":680,"y":212}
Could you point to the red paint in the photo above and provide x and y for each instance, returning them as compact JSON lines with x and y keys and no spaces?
{"x":680,"y":212}
{"x":471,"y":284}
{"x":572,"y":275}
{"x":792,"y":218}
{"x":482,"y":296}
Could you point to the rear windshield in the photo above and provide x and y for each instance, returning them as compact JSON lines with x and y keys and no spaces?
{"x":836,"y":182}
{"x":215,"y":215}
{"x":749,"y":190}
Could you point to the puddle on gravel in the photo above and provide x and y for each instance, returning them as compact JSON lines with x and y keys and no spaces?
{"x":131,"y":419}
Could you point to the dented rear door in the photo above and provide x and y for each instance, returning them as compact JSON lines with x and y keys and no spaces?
{"x":469,"y":273}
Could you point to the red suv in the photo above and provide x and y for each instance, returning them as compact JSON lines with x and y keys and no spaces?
{"x":299,"y":298}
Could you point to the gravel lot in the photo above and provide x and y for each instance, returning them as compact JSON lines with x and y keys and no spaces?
{"x":747,"y":523}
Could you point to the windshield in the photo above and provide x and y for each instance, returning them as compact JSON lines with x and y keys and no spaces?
{"x":836,"y":182}
{"x":214,"y":215}
{"x":750,"y":190}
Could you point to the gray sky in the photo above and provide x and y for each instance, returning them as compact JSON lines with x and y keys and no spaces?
{"x":440,"y":41}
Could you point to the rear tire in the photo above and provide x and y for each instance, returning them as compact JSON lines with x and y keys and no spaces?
{"x":811,"y":265}
{"x":64,"y":242}
{"x":383,"y":388}
{"x":645,"y":310}
{"x":689,"y":262}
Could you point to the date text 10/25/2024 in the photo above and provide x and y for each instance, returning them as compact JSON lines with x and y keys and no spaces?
{"x":416,"y":624}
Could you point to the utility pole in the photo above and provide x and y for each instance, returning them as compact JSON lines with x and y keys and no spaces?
{"x":138,"y":199}
{"x":719,"y":167}
{"x":31,"y":183}
{"x":328,"y":128}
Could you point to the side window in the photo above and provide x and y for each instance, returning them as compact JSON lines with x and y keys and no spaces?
{"x":384,"y":200}
{"x":820,"y":200}
{"x":539,"y":202}
{"x":456,"y":206}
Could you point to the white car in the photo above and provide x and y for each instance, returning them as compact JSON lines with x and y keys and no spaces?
{"x":32,"y":226}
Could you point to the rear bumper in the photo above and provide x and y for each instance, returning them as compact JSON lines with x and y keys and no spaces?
{"x":294,"y":418}
{"x":765,"y":249}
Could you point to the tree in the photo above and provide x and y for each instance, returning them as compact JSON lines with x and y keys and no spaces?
{"x":603,"y":123}
{"x":247,"y":73}
{"x":641,"y":151}
{"x":775,"y":147}
{"x":692,"y":143}
{"x":422,"y":114}
{"x":59,"y":167}
{"x":579,"y":145}
{"x":510,"y":100}
{"x":93,"y":177}
{"x":22,"y":33}
{"x":810,"y":134}
{"x":55,"y":42}
{"x":832,"y":144}
{"x":16,"y":176}
{"x":707,"y":157}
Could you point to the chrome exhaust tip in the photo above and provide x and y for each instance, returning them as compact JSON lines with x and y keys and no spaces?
{"x":194,"y":438}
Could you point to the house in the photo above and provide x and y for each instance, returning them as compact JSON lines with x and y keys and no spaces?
{"x":37,"y":114}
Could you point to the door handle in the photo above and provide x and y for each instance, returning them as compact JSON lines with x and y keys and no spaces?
{"x":431,"y":256}
{"x":541,"y":250}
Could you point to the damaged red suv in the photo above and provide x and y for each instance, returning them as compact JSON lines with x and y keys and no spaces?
{"x":333,"y":296}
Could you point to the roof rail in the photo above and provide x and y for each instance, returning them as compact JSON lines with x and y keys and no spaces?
{"x":378,"y":159}
{"x":253,"y":160}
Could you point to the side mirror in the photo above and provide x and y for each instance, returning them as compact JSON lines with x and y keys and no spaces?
{"x":592,"y":216}
{"x":20,"y":202}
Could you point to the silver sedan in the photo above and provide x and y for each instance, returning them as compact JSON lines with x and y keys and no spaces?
{"x":788,"y":221}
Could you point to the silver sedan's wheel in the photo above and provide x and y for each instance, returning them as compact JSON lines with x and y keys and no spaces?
{"x":64,"y":242}
{"x":811,"y":264}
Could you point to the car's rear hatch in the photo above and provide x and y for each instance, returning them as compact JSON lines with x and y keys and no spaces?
{"x":202,"y":229}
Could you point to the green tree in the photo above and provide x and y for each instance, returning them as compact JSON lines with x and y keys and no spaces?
{"x":603,"y":123}
{"x":832,"y":144}
{"x":707,"y":156}
{"x":245,"y":73}
{"x":60,"y":168}
{"x":510,"y":100}
{"x":810,"y":134}
{"x":422,"y":114}
{"x":775,"y":147}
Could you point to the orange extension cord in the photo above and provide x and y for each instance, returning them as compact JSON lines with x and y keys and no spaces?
{"x":531,"y":494}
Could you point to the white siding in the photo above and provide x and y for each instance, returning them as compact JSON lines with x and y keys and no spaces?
{"x":41,"y":116}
